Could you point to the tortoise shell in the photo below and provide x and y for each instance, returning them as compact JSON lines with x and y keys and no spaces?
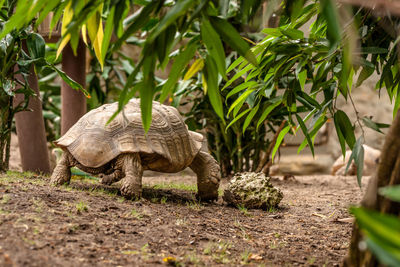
{"x":168,"y":146}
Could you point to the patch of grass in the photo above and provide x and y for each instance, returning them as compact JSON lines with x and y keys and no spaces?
{"x":104,"y":192}
{"x":194,"y":205}
{"x":311,"y":260}
{"x":193,"y":259}
{"x":13,"y":176}
{"x":145,"y":251}
{"x":180,"y":186}
{"x":136,"y":214}
{"x":36,"y":231}
{"x":244,"y":210}
{"x":218,"y":251}
{"x":244,"y":234}
{"x":163,"y":200}
{"x":81,"y":207}
{"x":276,"y":244}
{"x":245,"y":257}
{"x":5,"y":199}
{"x":272,"y":209}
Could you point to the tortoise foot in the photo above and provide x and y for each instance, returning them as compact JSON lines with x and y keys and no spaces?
{"x":131,"y":191}
{"x":61,"y":175}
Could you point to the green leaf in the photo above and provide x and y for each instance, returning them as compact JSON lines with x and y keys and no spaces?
{"x":235,"y":64}
{"x":18,"y":19}
{"x":237,"y":76}
{"x":383,"y":230}
{"x":147,"y":88}
{"x":69,"y":81}
{"x":36,"y":46}
{"x":211,"y":76}
{"x":250,"y":117}
{"x":279,"y":140}
{"x":374,"y":50}
{"x":241,"y":87}
{"x":364,"y":74}
{"x":357,"y":155}
{"x":233,"y":38}
{"x":172,"y":15}
{"x":302,"y":78}
{"x":305,"y":132}
{"x":107,"y":33}
{"x":276,"y":32}
{"x":330,"y":13}
{"x":140,"y":18}
{"x":214,"y":45}
{"x":392,"y":192}
{"x":386,"y":255}
{"x":179,"y":64}
{"x":236,"y":119}
{"x":146,"y":102}
{"x":275,"y":102}
{"x":319,"y":123}
{"x":396,"y":101}
{"x":373,"y":125}
{"x":293,"y":33}
{"x":239,"y":101}
{"x":344,"y":130}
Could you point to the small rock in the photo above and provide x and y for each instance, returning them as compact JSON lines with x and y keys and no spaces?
{"x":252,"y":190}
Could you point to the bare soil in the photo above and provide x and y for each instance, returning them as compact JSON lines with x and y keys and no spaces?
{"x":88,"y":224}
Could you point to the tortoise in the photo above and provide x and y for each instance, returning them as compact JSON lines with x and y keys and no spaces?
{"x":122,"y":149}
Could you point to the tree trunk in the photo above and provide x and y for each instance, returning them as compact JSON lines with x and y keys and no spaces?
{"x":73,"y":102}
{"x":31,"y":132}
{"x":6,"y":117}
{"x":388,"y":173}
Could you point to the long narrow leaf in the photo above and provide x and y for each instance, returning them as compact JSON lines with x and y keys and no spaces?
{"x":180,"y":63}
{"x":233,"y":38}
{"x":305,"y":132}
{"x":214,"y":46}
{"x":279,"y":141}
{"x":211,"y":76}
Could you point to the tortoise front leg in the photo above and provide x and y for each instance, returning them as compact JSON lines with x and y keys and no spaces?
{"x":62,"y":172}
{"x":208,"y":175}
{"x":132,"y":182}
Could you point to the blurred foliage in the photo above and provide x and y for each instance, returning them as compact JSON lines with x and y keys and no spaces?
{"x":236,"y":150}
{"x":161,"y":25}
{"x":300,"y":73}
{"x":382,"y":231}
{"x":21,"y":52}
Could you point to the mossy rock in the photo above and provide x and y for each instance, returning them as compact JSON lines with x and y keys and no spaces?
{"x":253,"y":191}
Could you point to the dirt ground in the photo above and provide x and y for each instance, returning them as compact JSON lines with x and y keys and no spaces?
{"x":88,"y":224}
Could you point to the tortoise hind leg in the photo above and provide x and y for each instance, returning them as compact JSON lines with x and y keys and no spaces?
{"x":62,"y":172}
{"x":133,"y":170}
{"x":208,"y":175}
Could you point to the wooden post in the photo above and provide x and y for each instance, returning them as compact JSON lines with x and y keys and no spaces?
{"x":31,"y":132}
{"x":73,"y":102}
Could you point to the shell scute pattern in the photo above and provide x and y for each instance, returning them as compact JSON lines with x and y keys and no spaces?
{"x":93,"y":142}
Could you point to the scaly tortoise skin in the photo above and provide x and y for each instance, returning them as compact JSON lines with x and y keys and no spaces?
{"x":122,"y":150}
